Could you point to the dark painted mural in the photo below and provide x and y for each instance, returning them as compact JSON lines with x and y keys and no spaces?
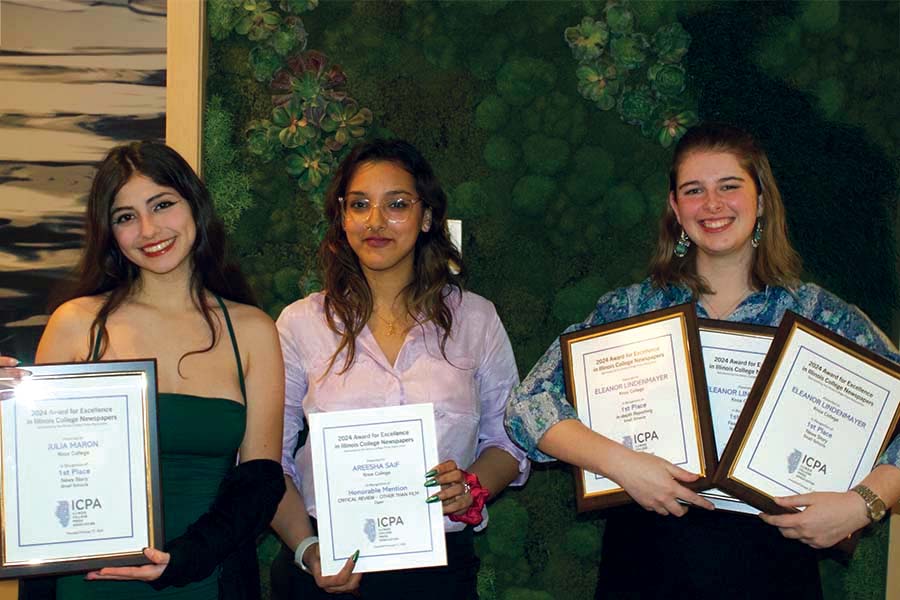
{"x":78,"y":77}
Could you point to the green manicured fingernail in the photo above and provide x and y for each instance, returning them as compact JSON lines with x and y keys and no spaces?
{"x":431,"y":482}
{"x":431,"y":473}
{"x":432,"y":499}
{"x":355,"y":556}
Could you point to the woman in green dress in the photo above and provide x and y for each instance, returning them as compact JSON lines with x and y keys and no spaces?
{"x":153,"y":282}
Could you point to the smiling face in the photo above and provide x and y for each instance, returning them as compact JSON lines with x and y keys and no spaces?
{"x":153,"y":226}
{"x":380,"y":245}
{"x":716,"y":202}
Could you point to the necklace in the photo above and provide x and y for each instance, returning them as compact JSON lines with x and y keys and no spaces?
{"x":391,"y":325}
{"x":394,"y":327}
{"x":721,"y":314}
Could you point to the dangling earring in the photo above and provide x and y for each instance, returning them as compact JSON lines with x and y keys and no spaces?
{"x":684,"y":242}
{"x":757,"y":233}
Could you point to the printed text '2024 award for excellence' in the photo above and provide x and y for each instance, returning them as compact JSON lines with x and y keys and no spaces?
{"x":79,"y":469}
{"x":822,"y":411}
{"x":369,"y":470}
{"x":640,"y":382}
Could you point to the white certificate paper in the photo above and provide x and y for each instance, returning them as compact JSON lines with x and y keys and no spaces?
{"x":369,"y":470}
{"x":732,"y":360}
{"x":821,"y":424}
{"x":634,"y":386}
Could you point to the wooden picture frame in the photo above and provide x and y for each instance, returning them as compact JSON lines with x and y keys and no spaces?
{"x":770,"y":376}
{"x":759,"y":410}
{"x":676,"y":330}
{"x":730,"y":351}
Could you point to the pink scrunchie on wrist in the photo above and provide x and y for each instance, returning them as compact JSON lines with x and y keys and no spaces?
{"x":479,"y":494}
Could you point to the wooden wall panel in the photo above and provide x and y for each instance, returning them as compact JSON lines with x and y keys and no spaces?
{"x":185,"y":77}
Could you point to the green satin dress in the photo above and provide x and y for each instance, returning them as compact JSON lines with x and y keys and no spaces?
{"x":198,"y":440}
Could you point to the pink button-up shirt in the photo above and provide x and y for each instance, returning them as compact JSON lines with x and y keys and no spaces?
{"x":468,"y":393}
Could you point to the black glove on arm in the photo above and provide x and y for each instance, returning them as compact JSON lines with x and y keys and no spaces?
{"x":244,"y":506}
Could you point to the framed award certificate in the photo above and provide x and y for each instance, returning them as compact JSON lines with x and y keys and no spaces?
{"x":369,"y":470}
{"x":733,"y":354}
{"x":78,"y":469}
{"x":819,"y":415}
{"x":640,"y":382}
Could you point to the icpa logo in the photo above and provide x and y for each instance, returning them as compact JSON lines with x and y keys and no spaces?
{"x":62,"y":512}
{"x":793,"y":460}
{"x":369,"y":529}
{"x":815,"y":464}
{"x":85,"y":503}
{"x":390,"y":521}
{"x":646,"y":436}
{"x":628,"y":442}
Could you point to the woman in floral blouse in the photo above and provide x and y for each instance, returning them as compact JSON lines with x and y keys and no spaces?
{"x":723,"y":243}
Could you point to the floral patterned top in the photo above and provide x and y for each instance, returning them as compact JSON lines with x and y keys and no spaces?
{"x":539,"y":403}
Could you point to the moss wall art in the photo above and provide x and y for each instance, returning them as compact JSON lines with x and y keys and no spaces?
{"x":551,"y":126}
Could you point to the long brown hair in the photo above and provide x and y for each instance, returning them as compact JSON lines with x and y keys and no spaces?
{"x":775,"y":262}
{"x":103,"y":269}
{"x":348,"y":298}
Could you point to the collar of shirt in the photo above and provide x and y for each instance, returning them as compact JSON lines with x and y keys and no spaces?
{"x":751,"y":309}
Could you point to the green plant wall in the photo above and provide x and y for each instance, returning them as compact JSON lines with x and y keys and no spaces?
{"x":550,"y":124}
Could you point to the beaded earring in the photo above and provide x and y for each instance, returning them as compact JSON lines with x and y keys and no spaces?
{"x":757,"y":233}
{"x":684,"y":242}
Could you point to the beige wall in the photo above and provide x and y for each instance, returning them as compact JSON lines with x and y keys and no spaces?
{"x":893,"y":568}
{"x":185,"y":77}
{"x":9,"y":589}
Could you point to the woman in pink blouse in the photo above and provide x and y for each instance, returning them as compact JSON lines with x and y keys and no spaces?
{"x":394,"y":326}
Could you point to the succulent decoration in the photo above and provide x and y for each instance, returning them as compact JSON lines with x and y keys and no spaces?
{"x":312,"y":122}
{"x":313,"y":118}
{"x":308,"y":130}
{"x":637,"y":74}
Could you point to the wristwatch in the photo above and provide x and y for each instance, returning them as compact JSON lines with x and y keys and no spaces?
{"x":874,"y":505}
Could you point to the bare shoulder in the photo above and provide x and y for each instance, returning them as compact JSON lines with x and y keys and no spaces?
{"x":65,"y":337}
{"x":76,"y":314}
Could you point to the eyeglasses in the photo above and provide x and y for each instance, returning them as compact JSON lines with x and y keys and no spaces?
{"x":394,"y":210}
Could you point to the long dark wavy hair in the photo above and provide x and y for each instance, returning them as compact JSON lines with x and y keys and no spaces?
{"x":104,"y":270}
{"x":348,"y":298}
{"x":775,"y":262}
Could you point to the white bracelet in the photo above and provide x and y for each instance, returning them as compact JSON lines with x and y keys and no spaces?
{"x":301,"y":550}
